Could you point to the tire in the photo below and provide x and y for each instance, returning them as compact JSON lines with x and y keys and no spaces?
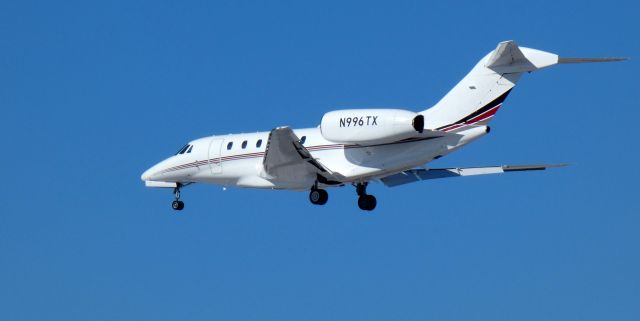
{"x":372,"y":202}
{"x":367,"y":202}
{"x":177,"y":205}
{"x":324,"y":197}
{"x":318,"y":196}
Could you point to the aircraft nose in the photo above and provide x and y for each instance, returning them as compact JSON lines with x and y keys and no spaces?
{"x":150,"y":174}
{"x":146,"y":176}
{"x":155,"y":172}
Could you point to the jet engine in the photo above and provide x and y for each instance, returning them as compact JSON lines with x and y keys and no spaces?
{"x":370,"y":126}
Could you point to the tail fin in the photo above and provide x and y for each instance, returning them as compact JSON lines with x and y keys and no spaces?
{"x":479,"y":95}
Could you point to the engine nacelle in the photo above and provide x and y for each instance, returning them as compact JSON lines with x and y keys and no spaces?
{"x":370,"y":126}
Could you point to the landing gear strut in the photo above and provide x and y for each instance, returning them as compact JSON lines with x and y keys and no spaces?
{"x":177,"y":204}
{"x":318,"y":196}
{"x":366,"y":202}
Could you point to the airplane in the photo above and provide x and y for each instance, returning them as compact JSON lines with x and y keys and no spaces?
{"x":359,"y":146}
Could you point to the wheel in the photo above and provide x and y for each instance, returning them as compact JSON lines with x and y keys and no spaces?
{"x":367,"y":202}
{"x":318,"y":196}
{"x":177,"y":205}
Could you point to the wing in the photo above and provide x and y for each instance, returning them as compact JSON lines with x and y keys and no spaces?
{"x":285,"y":152}
{"x":415,"y":175}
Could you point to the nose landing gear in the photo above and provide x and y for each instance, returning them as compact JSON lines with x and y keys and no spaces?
{"x":366,"y":202}
{"x":177,"y":204}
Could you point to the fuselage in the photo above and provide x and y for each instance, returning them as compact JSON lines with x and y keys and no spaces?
{"x":356,"y":146}
{"x":237,"y":159}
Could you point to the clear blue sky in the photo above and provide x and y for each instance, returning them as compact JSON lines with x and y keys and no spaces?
{"x":92,"y":94}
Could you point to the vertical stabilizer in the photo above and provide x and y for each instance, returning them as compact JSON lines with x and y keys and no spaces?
{"x":479,"y":95}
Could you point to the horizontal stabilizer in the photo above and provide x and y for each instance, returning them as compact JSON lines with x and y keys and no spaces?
{"x":508,"y":57}
{"x":586,"y":60}
{"x":415,"y":175}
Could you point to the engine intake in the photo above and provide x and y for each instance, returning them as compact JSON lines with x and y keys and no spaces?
{"x":418,"y":123}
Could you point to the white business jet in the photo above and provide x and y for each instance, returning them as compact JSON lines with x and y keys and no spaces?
{"x":358,"y":146}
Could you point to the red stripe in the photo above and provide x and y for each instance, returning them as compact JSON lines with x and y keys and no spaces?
{"x":484,"y":115}
{"x":258,"y":154}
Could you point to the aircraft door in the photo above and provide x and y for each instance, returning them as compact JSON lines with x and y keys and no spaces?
{"x":215,"y":163}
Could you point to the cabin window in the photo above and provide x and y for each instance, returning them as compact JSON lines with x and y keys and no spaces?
{"x":259,"y":143}
{"x":303,"y":139}
{"x":244,"y":144}
{"x":229,"y":145}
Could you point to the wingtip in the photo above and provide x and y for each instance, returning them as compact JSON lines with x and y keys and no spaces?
{"x":532,"y":167}
{"x":558,"y":165}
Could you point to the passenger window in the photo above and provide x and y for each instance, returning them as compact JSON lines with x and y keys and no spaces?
{"x":303,"y":139}
{"x":259,"y":143}
{"x":229,"y":145}
{"x":244,"y":144}
{"x":189,"y":150}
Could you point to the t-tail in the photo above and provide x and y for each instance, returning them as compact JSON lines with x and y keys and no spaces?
{"x":479,"y":95}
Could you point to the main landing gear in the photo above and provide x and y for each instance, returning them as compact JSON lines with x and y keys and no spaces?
{"x":366,"y":202}
{"x":177,"y":204}
{"x":318,"y":196}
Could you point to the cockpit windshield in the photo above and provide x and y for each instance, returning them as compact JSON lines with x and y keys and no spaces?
{"x":183,"y":149}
